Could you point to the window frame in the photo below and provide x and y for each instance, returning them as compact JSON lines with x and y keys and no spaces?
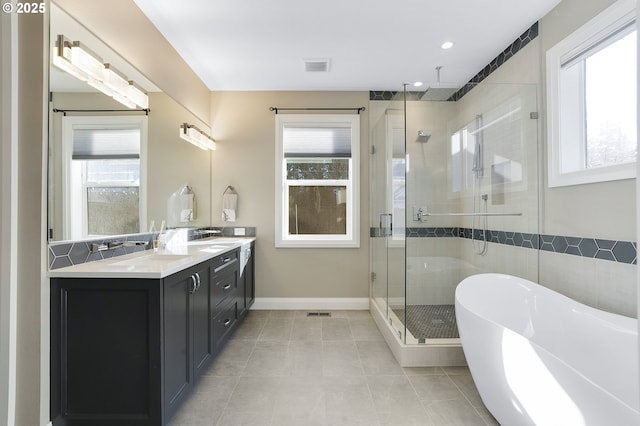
{"x":604,"y":26}
{"x":72,"y":206}
{"x":352,"y":237}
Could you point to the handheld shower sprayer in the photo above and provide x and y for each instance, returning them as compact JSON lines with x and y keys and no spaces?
{"x":478,"y":151}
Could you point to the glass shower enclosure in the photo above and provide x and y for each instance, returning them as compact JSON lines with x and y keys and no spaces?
{"x":454,"y":192}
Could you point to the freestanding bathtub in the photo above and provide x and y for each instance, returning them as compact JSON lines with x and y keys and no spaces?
{"x":540,"y":358}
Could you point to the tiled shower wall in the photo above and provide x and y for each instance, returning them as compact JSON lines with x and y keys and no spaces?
{"x":588,"y":265}
{"x":598,"y":272}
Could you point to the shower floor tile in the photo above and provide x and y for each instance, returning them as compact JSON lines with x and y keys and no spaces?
{"x":430,"y":321}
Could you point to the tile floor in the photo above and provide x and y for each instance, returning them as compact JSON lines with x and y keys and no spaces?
{"x":282,"y":368}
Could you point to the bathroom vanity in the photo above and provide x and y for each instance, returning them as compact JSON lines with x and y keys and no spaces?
{"x":131,"y":335}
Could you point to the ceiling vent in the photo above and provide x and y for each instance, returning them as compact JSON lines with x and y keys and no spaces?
{"x":317,"y":65}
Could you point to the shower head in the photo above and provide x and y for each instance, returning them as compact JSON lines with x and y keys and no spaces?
{"x":440,"y":92}
{"x":423,"y":137}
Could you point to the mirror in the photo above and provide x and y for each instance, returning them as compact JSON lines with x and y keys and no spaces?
{"x":112,"y":169}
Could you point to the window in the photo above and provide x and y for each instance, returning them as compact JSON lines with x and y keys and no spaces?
{"x":591,"y":100}
{"x":103,"y":176}
{"x":317,"y":196}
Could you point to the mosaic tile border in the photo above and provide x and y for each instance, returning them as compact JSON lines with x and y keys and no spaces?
{"x":525,"y":38}
{"x":69,"y":253}
{"x":595,"y":248}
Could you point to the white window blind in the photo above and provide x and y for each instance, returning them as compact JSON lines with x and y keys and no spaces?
{"x":316,"y":142}
{"x":103,"y":144}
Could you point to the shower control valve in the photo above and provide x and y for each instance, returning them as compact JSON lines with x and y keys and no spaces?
{"x":419,"y":213}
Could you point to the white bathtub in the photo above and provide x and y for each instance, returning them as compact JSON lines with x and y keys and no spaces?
{"x":540,"y":358}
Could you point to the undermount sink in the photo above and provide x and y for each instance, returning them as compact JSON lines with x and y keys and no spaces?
{"x":151,"y":259}
{"x":216,"y":241}
{"x":215,"y":248}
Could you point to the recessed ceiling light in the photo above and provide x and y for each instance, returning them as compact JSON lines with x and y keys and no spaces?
{"x":417,"y":84}
{"x":447,"y":45}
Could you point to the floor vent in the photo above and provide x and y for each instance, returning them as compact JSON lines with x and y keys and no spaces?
{"x":318,"y":314}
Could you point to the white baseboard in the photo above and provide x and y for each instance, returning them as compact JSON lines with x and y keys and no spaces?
{"x":291,"y":303}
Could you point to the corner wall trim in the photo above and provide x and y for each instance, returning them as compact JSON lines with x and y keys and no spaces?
{"x":290,"y":303}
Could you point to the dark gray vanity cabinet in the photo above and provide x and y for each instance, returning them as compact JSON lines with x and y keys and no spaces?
{"x":188,"y":340}
{"x":106,"y":362}
{"x":127,"y":351}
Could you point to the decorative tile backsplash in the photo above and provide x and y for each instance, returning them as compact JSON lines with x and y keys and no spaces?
{"x":616,"y":251}
{"x":524,"y":39}
{"x":69,"y":253}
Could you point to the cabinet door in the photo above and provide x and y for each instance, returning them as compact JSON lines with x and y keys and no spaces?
{"x":201,"y":317}
{"x":177,"y":353}
{"x":105,"y":351}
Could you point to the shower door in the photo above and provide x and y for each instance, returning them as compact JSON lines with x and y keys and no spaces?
{"x":472,"y":199}
{"x":388,"y":176}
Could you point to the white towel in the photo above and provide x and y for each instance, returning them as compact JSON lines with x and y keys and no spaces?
{"x":229,"y":206}
{"x":245,"y":255}
{"x":186,"y":207}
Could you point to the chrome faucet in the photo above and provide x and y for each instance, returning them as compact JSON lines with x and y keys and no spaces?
{"x":112,"y":245}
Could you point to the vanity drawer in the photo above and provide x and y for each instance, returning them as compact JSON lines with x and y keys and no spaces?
{"x":225,"y":260}
{"x":224,"y":284}
{"x":223,"y":323}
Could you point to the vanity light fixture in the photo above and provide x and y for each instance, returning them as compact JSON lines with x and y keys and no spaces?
{"x":137,"y":95}
{"x":115,"y":80}
{"x":192,"y":134}
{"x":78,"y":60}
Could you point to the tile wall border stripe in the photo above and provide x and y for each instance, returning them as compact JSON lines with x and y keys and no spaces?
{"x":525,"y":38}
{"x":595,"y":248}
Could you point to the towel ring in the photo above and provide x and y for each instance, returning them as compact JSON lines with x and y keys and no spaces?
{"x":230,"y":190}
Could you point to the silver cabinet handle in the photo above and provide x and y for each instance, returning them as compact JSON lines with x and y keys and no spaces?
{"x":198,"y":281}
{"x":226,"y":259}
{"x":227,"y":322}
{"x":193,"y":285}
{"x":226,"y":287}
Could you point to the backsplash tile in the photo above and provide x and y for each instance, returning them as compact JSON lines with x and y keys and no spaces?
{"x":69,"y":253}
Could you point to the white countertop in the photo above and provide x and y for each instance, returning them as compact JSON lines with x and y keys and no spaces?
{"x":154,"y":264}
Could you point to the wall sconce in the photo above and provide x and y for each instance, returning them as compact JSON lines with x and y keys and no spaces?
{"x":192,"y":134}
{"x":84,"y":64}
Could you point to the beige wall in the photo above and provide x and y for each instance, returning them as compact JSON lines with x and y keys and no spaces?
{"x":245,"y":131}
{"x":171,"y":162}
{"x":604,"y":210}
{"x":32,"y":398}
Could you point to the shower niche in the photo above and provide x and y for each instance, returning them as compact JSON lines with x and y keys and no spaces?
{"x":454,"y":192}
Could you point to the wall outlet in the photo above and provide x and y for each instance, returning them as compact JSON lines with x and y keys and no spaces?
{"x":239,"y":232}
